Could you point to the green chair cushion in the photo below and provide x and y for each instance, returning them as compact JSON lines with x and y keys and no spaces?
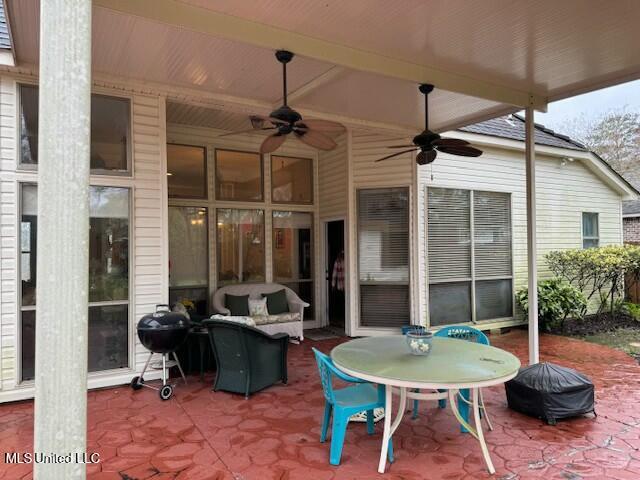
{"x":277,"y":302}
{"x":237,"y":304}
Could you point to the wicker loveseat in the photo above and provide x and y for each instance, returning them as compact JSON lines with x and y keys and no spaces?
{"x":290,"y":323}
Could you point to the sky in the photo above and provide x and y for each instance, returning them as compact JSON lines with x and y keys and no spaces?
{"x":593,"y":104}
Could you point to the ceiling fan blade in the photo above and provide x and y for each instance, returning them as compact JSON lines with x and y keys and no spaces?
{"x":424,"y":158}
{"x":449,"y":142}
{"x":401,"y":146}
{"x":315,"y":139}
{"x":461,"y":151}
{"x":324,"y":126}
{"x":251,"y":130}
{"x":396,"y":154}
{"x":272,"y":143}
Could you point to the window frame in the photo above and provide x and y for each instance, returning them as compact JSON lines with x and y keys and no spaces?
{"x":410,"y":263}
{"x":33,"y":167}
{"x":272,"y":185}
{"x":473,"y":278}
{"x":131,"y":340}
{"x":205,"y":176}
{"x":216,"y":183}
{"x":583,"y":236}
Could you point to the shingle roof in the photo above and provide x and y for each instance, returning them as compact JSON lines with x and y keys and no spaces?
{"x":631,"y":207}
{"x":512,"y":127}
{"x":5,"y":40}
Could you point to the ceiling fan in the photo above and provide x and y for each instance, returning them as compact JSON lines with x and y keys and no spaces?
{"x":429,"y":143}
{"x":284,"y":120}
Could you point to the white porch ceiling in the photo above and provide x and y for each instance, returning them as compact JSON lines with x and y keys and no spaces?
{"x":543,"y":48}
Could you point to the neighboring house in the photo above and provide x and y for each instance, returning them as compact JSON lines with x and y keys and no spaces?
{"x":631,"y":221}
{"x":177,"y":211}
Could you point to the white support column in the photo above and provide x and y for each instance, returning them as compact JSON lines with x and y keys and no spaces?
{"x":532,"y":251}
{"x":63,"y":230}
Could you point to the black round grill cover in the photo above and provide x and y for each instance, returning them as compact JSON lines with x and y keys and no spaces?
{"x":550,"y":392}
{"x":163,"y":331}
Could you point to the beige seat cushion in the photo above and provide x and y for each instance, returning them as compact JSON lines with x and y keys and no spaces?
{"x":281,"y":318}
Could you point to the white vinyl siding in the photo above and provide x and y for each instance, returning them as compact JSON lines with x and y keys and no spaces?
{"x":333,"y":181}
{"x":147,"y":244}
{"x":364,"y":173}
{"x":563,"y":193}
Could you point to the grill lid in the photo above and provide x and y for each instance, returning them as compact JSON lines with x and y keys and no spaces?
{"x":163,"y":319}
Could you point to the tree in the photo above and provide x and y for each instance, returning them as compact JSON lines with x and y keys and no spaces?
{"x":614,"y":136}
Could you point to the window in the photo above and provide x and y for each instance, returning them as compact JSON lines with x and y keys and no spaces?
{"x":187,"y":171}
{"x":188,"y":256}
{"x":239,"y":176}
{"x":110,"y":131}
{"x":240,"y":246}
{"x":469,"y":255}
{"x":291,"y":180}
{"x":108,"y":278}
{"x":590,"y":230}
{"x":293,"y":254}
{"x":383,"y":255}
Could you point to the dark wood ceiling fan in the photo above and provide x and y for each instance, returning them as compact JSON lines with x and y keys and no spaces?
{"x":428,"y":143}
{"x":284,"y":120}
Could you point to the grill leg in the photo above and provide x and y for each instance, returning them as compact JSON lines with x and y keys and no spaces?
{"x":175,"y":357}
{"x":164,"y":369}
{"x":146,"y":365}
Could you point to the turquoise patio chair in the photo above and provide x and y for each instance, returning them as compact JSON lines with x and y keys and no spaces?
{"x":462,"y":332}
{"x":344,"y":402}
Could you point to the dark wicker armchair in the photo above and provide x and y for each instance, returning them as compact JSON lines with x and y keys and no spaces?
{"x":247,"y":359}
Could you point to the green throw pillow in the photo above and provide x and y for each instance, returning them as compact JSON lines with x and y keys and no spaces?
{"x":237,"y":304}
{"x":277,"y":302}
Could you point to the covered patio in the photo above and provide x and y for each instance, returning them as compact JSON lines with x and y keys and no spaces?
{"x":275,"y":435}
{"x":359,"y":64}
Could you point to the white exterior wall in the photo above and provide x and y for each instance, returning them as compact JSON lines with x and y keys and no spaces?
{"x":147,"y":245}
{"x":563,"y":192}
{"x":365,"y":148}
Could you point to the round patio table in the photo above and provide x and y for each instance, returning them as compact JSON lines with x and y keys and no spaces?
{"x":451,"y":365}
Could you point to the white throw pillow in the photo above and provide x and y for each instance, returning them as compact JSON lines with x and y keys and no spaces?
{"x":258,"y":307}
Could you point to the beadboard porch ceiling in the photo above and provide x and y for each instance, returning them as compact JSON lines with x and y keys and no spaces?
{"x":360,"y":61}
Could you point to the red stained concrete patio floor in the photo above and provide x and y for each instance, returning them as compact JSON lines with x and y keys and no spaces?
{"x":200,"y":434}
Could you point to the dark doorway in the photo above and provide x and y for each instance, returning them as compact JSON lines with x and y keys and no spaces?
{"x":335,"y":274}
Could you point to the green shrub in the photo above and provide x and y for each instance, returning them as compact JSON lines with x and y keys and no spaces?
{"x":557,"y":300}
{"x":632,"y":309}
{"x":597,"y":272}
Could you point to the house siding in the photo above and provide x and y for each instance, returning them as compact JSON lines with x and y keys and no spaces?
{"x":365,"y":148}
{"x":333,"y":183}
{"x":149,"y":260}
{"x":563,"y":192}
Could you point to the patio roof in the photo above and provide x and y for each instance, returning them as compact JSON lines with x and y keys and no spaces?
{"x":359,"y":61}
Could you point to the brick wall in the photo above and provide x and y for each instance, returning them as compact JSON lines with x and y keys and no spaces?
{"x":631,"y":228}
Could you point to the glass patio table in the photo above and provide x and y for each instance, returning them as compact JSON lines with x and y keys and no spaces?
{"x":451,"y":365}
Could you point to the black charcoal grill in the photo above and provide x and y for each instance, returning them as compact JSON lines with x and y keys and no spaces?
{"x":162,"y":332}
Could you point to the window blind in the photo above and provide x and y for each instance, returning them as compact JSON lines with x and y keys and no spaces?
{"x":492,"y":234}
{"x":383,"y":256}
{"x":449,"y":234}
{"x":459,"y":239}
